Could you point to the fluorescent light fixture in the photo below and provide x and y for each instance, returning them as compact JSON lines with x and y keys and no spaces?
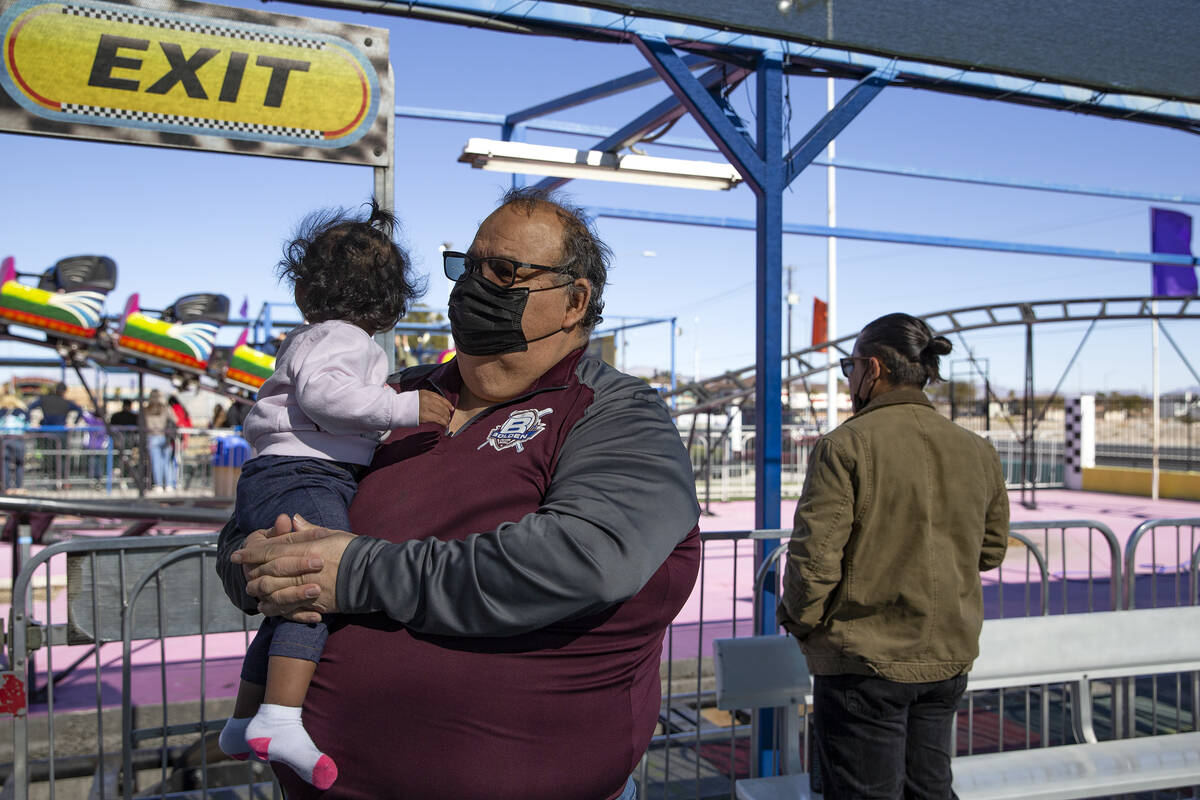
{"x":566,"y":162}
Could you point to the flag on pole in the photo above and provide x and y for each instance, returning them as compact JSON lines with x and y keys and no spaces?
{"x":245,"y":309}
{"x":820,"y":333}
{"x":1171,"y":232}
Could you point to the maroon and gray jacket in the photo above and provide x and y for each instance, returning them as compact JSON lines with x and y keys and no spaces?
{"x":507,"y":597}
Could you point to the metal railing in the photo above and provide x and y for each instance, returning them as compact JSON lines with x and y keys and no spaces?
{"x":723,"y":463}
{"x":1074,"y":566}
{"x":97,"y":613}
{"x":1164,"y":579}
{"x":88,"y":462}
{"x":72,"y":610}
{"x":1168,"y":578}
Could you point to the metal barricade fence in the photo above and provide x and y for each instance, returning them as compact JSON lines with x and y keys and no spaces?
{"x":159,"y":600}
{"x":1161,"y":557}
{"x":87,"y":461}
{"x":1055,"y":567}
{"x":135,"y":635}
{"x":695,"y":744}
{"x":726,"y":472}
{"x":1047,"y":472}
{"x":1164,"y":578}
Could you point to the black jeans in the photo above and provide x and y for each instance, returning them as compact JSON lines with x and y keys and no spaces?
{"x":881,"y":739}
{"x":320,"y":491}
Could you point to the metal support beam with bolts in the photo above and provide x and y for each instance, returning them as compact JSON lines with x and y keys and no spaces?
{"x":661,"y":114}
{"x":708,"y":112}
{"x":634,"y":80}
{"x":854,"y":101}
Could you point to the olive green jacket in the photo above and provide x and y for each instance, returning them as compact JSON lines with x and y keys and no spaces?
{"x":901,"y":511}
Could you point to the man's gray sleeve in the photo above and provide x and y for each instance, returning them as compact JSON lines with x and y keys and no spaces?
{"x":621,"y":498}
{"x":231,"y":574}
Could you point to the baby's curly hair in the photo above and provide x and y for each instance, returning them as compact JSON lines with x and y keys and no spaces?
{"x":341,"y":266}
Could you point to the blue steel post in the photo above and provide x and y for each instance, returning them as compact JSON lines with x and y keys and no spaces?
{"x":768,"y":387}
{"x":768,"y":384}
{"x":762,"y":167}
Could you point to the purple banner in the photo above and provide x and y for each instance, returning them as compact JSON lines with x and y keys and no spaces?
{"x":1171,"y":232}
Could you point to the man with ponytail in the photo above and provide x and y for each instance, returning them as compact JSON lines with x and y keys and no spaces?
{"x":901,"y":511}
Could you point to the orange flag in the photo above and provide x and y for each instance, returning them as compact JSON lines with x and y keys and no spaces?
{"x":820,"y":322}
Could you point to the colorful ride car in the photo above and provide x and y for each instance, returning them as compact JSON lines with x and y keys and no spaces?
{"x":67,"y":303}
{"x":183,"y":337}
{"x":242,"y":365}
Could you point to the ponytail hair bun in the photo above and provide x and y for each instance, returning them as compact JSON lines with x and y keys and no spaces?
{"x":937,"y":346}
{"x":906,"y":346}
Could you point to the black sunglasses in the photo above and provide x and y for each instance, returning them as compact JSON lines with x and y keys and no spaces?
{"x":500,"y":271}
{"x":847,"y":364}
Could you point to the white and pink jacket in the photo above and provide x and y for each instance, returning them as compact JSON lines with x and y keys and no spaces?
{"x":327,"y":398}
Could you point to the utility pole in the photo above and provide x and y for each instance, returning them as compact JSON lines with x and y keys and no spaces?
{"x":831,"y":376}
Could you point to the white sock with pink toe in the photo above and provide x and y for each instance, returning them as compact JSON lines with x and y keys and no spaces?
{"x":277,"y":734}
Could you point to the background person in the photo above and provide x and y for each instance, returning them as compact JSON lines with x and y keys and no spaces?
{"x":158,"y":426}
{"x":217,"y":420}
{"x":183,"y":420}
{"x":236,"y":414}
{"x":900,"y":512}
{"x":509,"y":596}
{"x":124,"y":424}
{"x":55,"y":409}
{"x":316,"y":424}
{"x":95,"y":443}
{"x":126,"y":417}
{"x":14,"y":419}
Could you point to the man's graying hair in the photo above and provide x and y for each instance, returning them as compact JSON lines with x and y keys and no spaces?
{"x":906,"y":346}
{"x":583,"y":252}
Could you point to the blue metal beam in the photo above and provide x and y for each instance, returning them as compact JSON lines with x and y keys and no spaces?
{"x":688,"y":143}
{"x":634,"y":80}
{"x":835,"y":120}
{"x":667,"y":111}
{"x":550,"y":184}
{"x":1008,"y":183}
{"x":769,"y":337}
{"x":708,"y":113}
{"x":898,"y":238}
{"x":768,"y":383}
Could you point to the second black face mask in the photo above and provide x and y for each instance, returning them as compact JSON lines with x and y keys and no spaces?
{"x":485,"y":320}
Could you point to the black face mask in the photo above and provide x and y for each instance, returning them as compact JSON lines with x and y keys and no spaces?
{"x":858,"y":403}
{"x":485,"y":320}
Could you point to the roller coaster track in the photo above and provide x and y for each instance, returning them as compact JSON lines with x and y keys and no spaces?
{"x":734,"y":387}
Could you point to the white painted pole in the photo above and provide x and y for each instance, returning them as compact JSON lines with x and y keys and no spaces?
{"x":831,"y":269}
{"x":696,"y":349}
{"x":1154,"y":405}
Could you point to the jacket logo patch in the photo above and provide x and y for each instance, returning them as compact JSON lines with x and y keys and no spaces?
{"x":519,"y":428}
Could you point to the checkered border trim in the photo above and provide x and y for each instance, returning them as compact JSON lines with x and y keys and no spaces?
{"x":192,"y":122}
{"x":1072,"y":430}
{"x":110,"y":15}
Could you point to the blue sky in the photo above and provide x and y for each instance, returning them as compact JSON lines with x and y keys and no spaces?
{"x":179,"y":221}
